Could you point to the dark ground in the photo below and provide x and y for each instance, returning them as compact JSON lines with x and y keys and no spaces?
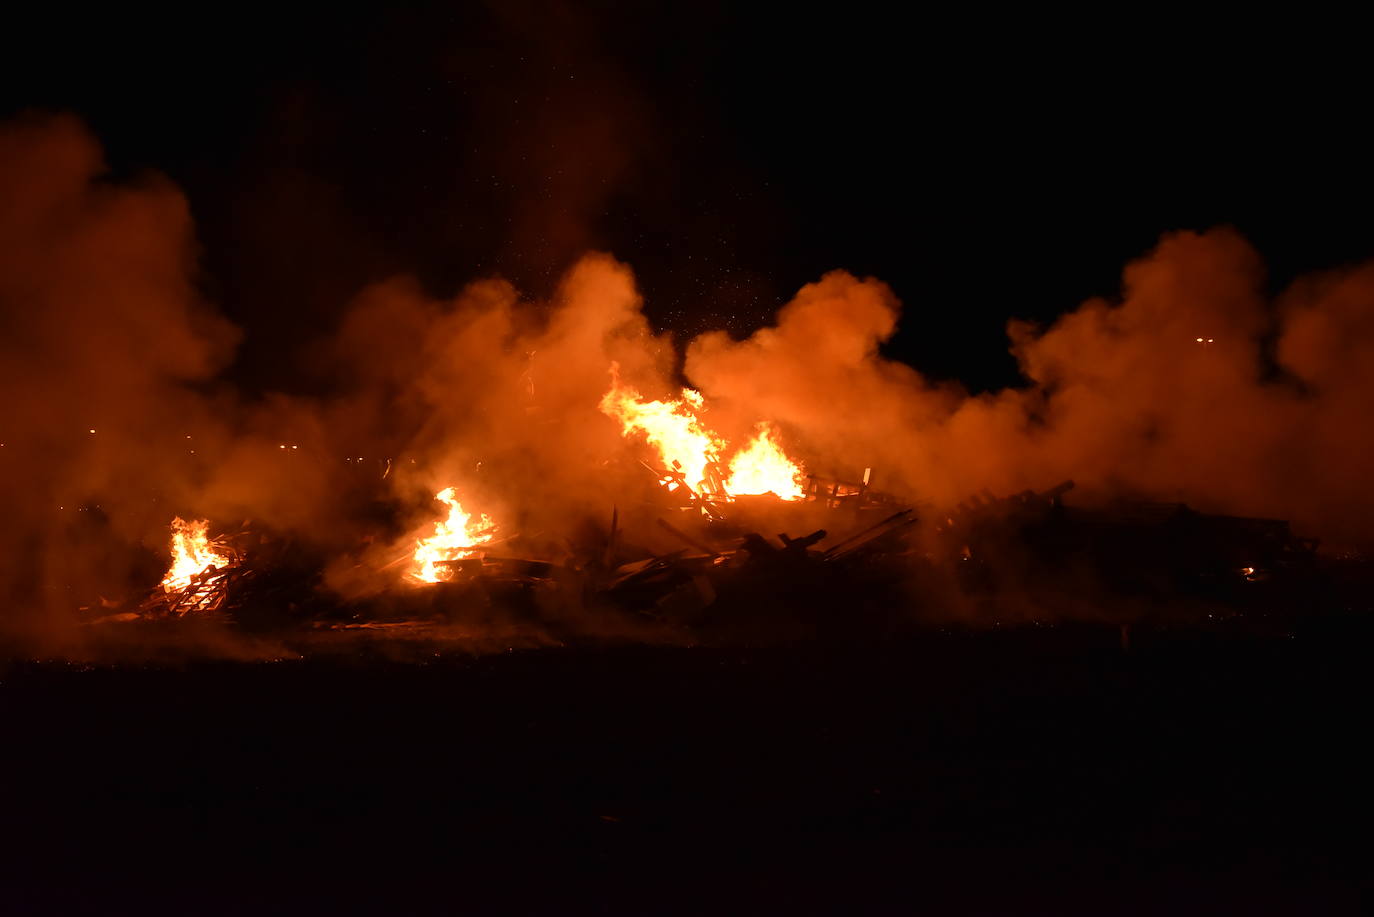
{"x":1039,"y":771}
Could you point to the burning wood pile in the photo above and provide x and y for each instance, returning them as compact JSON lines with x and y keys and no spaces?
{"x":690,"y":453}
{"x":455,"y":538}
{"x":692,"y":549}
{"x":203,"y":573}
{"x":241,"y":575}
{"x":717,"y":569}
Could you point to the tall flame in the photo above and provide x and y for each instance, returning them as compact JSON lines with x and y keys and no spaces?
{"x":762,"y":467}
{"x":671,"y":427}
{"x":453,"y":539}
{"x":192,"y":554}
{"x":684,"y":443}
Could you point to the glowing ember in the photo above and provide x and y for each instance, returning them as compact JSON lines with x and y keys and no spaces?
{"x":453,"y":539}
{"x":762,"y":467}
{"x":671,"y":427}
{"x":192,"y":554}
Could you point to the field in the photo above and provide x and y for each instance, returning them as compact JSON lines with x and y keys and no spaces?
{"x":1040,"y":770}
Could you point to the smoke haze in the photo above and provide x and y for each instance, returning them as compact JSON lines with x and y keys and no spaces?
{"x":1194,"y":385}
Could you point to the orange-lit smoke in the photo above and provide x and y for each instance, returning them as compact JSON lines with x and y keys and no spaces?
{"x":105,"y":352}
{"x":1262,"y":417}
{"x":105,"y":331}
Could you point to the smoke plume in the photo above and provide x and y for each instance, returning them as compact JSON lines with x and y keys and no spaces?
{"x":1194,"y":385}
{"x":105,"y":344}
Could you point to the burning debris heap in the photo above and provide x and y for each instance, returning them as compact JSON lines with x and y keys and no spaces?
{"x":455,"y":538}
{"x":243,"y":576}
{"x":693,"y":553}
{"x":203,"y":573}
{"x":713,"y":570}
{"x":691,"y":453}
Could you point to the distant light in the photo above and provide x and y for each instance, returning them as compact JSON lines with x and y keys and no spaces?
{"x":295,"y":447}
{"x":282,"y":446}
{"x":1199,"y":340}
{"x":90,"y":431}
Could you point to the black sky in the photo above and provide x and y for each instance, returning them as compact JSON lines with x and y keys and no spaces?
{"x":985,"y":164}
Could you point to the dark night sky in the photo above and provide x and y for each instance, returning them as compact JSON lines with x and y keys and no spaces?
{"x":986,"y":165}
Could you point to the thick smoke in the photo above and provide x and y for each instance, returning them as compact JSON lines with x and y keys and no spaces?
{"x":496,"y":395}
{"x":1196,"y":385}
{"x":104,"y":343}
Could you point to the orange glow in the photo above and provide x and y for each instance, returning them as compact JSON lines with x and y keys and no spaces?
{"x":671,"y":427}
{"x":192,"y":554}
{"x":684,"y":443}
{"x":453,"y":539}
{"x":762,"y":467}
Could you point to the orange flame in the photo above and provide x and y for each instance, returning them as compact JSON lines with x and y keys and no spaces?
{"x":192,"y":554}
{"x":762,"y":467}
{"x":453,"y":539}
{"x":685,"y":444}
{"x":671,"y":427}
